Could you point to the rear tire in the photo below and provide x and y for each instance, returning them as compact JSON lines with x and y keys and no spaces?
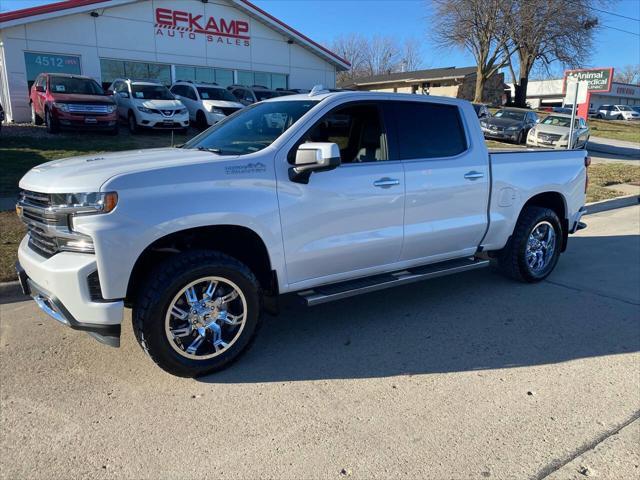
{"x":525,"y":256}
{"x":168,"y":337}
{"x":52,"y":125}
{"x":201,"y":121}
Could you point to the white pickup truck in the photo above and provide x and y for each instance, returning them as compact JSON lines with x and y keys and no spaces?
{"x":325,"y":195}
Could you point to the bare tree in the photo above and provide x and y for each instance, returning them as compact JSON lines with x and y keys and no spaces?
{"x":628,"y":74}
{"x":411,"y":56}
{"x":546,"y":31}
{"x":382,"y":55}
{"x":352,"y":48}
{"x":479,"y":26}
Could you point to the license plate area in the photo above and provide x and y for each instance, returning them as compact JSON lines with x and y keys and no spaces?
{"x":90,"y":120}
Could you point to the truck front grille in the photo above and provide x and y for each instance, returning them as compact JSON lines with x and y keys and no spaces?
{"x":42,"y":243}
{"x":87,"y":108}
{"x":549,"y":137}
{"x":228,"y":110}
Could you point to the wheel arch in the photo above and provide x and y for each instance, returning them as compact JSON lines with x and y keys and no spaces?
{"x":554,"y":201}
{"x":240,"y":242}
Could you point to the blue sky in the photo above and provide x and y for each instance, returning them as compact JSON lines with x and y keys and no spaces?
{"x":324,"y":20}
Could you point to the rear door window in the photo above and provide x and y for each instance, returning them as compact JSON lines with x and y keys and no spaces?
{"x":428,"y":130}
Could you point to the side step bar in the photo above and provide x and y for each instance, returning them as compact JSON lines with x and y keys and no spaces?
{"x":337,"y":291}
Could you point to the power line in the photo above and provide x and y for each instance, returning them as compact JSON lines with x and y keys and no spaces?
{"x":604,"y":11}
{"x":619,"y":29}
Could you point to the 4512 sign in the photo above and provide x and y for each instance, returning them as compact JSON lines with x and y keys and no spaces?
{"x":180,"y":24}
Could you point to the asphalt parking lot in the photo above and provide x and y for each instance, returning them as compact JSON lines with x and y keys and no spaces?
{"x":469,"y":376}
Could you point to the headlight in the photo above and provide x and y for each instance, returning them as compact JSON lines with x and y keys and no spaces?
{"x":182,"y":111}
{"x":217,"y":110}
{"x":532,"y":131}
{"x":84,"y":203}
{"x":145,"y":110}
{"x":61,"y":106}
{"x":483,"y":124}
{"x":111,"y":108}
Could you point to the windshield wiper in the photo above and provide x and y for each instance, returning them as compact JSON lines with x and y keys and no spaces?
{"x":212,"y":150}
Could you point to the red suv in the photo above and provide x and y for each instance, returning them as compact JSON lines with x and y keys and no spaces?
{"x":71,"y":101}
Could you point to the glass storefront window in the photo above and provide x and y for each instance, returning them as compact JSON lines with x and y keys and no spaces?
{"x":245,"y":78}
{"x":263,"y":79}
{"x":224,"y":77}
{"x":112,"y":69}
{"x":278,"y":80}
{"x":38,"y":63}
{"x":185,"y":73}
{"x":205,"y":75}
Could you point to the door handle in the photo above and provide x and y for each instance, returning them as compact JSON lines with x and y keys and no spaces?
{"x":386,"y":182}
{"x":473,"y":175}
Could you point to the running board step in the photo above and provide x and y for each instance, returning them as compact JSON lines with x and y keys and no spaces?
{"x":337,"y":291}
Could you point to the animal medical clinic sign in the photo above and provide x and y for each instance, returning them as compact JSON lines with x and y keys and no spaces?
{"x":598,"y":80}
{"x":185,"y":25}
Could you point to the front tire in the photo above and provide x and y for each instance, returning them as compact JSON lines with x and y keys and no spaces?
{"x":521,"y":138}
{"x":533,"y":250}
{"x":619,"y":117}
{"x":52,"y":125}
{"x":197,"y":313}
{"x":132,"y":123}
{"x":201,"y":120}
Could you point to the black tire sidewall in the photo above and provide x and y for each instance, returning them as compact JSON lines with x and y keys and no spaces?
{"x":526,"y":272}
{"x":155,"y":338}
{"x":132,"y":123}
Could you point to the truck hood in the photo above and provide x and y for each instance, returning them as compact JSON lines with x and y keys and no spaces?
{"x":159,"y":104}
{"x":503,"y":122}
{"x":88,"y":173}
{"x":555,"y":129}
{"x":81,"y":98}
{"x":221,"y":104}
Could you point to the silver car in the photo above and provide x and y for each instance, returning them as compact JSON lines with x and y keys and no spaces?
{"x":553,"y":132}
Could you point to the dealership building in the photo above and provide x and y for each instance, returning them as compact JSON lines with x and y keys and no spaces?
{"x":222,"y":41}
{"x":550,"y":93}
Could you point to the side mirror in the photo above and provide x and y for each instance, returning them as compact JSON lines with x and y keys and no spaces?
{"x":124,"y":94}
{"x":314,"y":157}
{"x":39,"y":88}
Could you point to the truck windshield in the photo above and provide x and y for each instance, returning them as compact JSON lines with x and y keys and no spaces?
{"x":207,"y":93}
{"x":511,"y":115}
{"x":151,"y":92}
{"x":252,"y":128}
{"x":84,"y":86}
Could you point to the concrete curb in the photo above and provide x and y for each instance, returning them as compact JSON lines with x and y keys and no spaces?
{"x":619,"y":202}
{"x":12,"y":289}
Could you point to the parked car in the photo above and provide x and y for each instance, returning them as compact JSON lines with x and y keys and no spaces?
{"x":617,"y":112}
{"x":566,"y":110}
{"x":553,"y":131}
{"x":145,"y":104}
{"x":248,"y":95}
{"x":509,"y":124}
{"x":71,"y":101}
{"x":1,"y":116}
{"x":481,"y":110}
{"x":207,"y":103}
{"x":197,"y":240}
{"x":636,"y":108}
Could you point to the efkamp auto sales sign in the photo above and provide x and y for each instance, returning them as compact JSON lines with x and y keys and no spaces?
{"x":598,"y":79}
{"x":185,"y":25}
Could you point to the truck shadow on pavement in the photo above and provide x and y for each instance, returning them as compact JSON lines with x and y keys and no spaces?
{"x":474,"y":321}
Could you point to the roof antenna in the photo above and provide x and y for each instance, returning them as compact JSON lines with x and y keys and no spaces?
{"x":317,"y":90}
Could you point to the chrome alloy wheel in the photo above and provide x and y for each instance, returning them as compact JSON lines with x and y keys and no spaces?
{"x":540,"y":246}
{"x":206,"y":317}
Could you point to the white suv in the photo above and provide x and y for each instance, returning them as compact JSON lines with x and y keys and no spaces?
{"x":149,"y":105}
{"x":617,"y":112}
{"x":207,"y":103}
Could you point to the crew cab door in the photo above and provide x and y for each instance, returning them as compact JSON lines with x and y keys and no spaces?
{"x":447,"y":180}
{"x":346,"y":221}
